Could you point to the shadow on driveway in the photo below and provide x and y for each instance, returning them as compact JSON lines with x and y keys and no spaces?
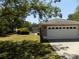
{"x":60,"y":40}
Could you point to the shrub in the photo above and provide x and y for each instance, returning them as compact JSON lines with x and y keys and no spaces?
{"x":23,"y":31}
{"x":24,"y":50}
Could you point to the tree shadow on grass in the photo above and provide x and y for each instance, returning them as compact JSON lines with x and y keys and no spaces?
{"x":6,"y":35}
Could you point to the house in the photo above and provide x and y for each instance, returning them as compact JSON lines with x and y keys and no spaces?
{"x":35,"y":28}
{"x":59,"y":29}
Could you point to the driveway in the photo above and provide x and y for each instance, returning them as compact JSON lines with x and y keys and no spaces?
{"x":67,"y":50}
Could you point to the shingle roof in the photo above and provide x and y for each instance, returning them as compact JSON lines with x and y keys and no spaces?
{"x":60,"y":21}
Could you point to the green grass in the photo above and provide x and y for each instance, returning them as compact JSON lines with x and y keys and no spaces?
{"x":16,"y":37}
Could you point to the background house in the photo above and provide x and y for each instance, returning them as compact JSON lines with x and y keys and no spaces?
{"x":35,"y":28}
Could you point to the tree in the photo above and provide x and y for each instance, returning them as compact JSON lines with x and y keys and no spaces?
{"x":14,"y":11}
{"x":26,"y":24}
{"x":75,"y":15}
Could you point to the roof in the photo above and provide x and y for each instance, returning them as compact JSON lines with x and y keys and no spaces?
{"x":60,"y":22}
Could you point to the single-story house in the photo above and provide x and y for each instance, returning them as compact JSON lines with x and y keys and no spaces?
{"x":35,"y":28}
{"x":59,"y":29}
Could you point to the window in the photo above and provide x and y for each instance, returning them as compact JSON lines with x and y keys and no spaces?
{"x":59,"y":27}
{"x":74,"y":27}
{"x":70,"y":27}
{"x":56,"y":27}
{"x":52,"y":27}
{"x":67,"y":27}
{"x":63,"y":27}
{"x":49,"y":28}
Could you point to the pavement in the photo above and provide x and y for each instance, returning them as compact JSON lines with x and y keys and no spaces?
{"x":66,"y":50}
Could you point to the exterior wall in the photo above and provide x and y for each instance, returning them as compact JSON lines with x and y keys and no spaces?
{"x":44,"y":30}
{"x":78,"y":29}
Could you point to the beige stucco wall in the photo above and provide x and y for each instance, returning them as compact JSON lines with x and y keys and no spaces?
{"x":44,"y":30}
{"x":78,"y":29}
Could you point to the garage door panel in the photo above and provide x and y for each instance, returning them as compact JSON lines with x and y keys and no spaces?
{"x":61,"y":33}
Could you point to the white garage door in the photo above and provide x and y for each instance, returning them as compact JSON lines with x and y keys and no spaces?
{"x":61,"y":32}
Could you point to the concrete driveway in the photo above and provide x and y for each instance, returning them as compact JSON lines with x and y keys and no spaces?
{"x":67,"y":50}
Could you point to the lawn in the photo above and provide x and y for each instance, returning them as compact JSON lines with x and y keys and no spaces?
{"x":16,"y":37}
{"x":32,"y":38}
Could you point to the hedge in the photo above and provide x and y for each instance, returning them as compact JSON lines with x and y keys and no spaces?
{"x":23,"y":31}
{"x":24,"y":50}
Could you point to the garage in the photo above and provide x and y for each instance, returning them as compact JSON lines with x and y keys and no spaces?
{"x":62,"y":32}
{"x":60,"y":29}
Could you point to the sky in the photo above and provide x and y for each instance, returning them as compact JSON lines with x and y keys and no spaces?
{"x":67,"y":7}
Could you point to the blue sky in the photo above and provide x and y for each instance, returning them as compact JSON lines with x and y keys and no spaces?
{"x":67,"y":7}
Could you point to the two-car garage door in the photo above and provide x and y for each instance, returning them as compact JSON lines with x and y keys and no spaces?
{"x":62,"y":32}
